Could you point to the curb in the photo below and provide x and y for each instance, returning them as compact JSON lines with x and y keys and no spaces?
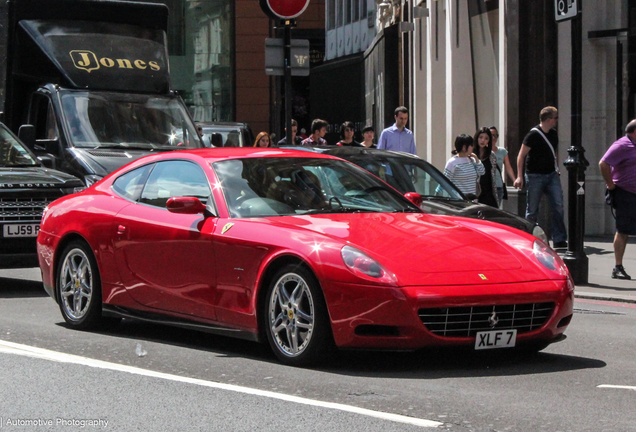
{"x":605,"y":297}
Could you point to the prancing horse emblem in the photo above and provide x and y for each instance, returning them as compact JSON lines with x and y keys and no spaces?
{"x":493,"y":319}
{"x":227,"y":227}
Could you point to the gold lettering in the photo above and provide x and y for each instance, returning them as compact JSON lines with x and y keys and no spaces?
{"x":124,"y":63}
{"x":154,"y":66}
{"x":140,"y":64}
{"x":85,"y":61}
{"x":105,"y":61}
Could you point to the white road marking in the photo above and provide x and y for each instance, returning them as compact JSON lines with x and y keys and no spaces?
{"x":29,"y":351}
{"x":617,"y":387}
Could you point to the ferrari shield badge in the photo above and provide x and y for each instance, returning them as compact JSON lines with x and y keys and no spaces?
{"x":227,"y":227}
{"x":483,"y":277}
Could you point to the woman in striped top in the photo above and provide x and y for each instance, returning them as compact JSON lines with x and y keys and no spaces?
{"x":464,"y":168}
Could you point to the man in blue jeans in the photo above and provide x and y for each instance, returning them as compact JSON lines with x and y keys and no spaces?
{"x":538,"y":157}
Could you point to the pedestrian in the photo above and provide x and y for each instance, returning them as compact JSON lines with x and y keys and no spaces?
{"x":487,"y":181}
{"x":618,"y":168}
{"x":318,"y":131}
{"x":503,"y":166}
{"x":303,"y":133}
{"x":262,"y":140}
{"x":538,"y":155}
{"x":464,"y":168}
{"x":347,"y":129}
{"x":296,"y":140}
{"x":368,"y":134}
{"x":398,"y":137}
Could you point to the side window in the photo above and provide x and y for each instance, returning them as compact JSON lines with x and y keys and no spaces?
{"x":129,"y":185}
{"x":42,"y":116}
{"x":175,"y":179}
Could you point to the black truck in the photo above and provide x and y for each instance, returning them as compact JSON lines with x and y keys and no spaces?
{"x":86,"y":84}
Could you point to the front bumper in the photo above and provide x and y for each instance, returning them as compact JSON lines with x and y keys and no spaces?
{"x":364,"y":316}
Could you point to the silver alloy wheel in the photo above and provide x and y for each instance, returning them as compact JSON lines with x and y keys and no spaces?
{"x":291,"y":314}
{"x":76,"y":284}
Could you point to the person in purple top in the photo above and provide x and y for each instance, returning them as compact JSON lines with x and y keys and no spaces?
{"x":398,"y":137}
{"x":618,"y":168}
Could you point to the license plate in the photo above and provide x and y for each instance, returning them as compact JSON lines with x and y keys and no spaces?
{"x":21,"y":230}
{"x":495,"y":339}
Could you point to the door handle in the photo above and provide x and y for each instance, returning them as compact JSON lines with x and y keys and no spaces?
{"x":121,"y":230}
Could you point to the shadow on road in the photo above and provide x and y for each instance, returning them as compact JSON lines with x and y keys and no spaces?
{"x":425,"y":364}
{"x":454,"y":363}
{"x":21,"y":288}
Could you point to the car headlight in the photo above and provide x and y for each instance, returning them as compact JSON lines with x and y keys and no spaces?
{"x":549,"y":258}
{"x":540,"y":234}
{"x":90,"y":180}
{"x":363,"y":265}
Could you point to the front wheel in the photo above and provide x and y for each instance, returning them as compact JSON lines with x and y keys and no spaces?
{"x":79,"y":287}
{"x":296,"y":319}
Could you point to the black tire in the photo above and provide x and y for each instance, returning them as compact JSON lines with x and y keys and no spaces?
{"x":295,"y":317}
{"x":78,"y":287}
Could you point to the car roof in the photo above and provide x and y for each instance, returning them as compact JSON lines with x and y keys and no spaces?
{"x":224,"y":125}
{"x":220,"y":153}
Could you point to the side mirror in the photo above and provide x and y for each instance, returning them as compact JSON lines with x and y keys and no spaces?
{"x":415,"y":198}
{"x":185,"y":205}
{"x":26,"y":133}
{"x":47,"y":161}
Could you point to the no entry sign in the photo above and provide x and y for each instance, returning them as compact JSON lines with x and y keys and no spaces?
{"x":284,"y":9}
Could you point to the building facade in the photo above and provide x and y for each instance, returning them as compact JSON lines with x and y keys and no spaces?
{"x":463,"y":64}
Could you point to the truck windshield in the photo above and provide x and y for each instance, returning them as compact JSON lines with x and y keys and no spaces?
{"x":112,"y":120}
{"x":13,"y":153}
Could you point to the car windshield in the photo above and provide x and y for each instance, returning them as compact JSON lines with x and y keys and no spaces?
{"x":13,"y":153}
{"x":406,"y":174}
{"x":112,"y":120}
{"x":258,"y":187}
{"x":223,"y":137}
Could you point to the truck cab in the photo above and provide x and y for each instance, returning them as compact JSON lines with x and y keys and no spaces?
{"x":88,"y":85}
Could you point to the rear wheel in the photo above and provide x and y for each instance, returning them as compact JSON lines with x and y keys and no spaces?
{"x":296,"y":319}
{"x":79,"y":287}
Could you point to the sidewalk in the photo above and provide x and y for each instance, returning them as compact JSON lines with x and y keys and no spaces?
{"x":601,"y":286}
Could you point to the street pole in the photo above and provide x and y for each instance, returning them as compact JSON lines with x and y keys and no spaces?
{"x":288,"y":24}
{"x":575,"y":257}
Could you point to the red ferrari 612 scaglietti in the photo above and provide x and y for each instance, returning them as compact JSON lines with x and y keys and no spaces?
{"x":305,"y":251}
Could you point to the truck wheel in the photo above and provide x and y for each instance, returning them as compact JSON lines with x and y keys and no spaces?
{"x":79,"y":287}
{"x":296,"y":319}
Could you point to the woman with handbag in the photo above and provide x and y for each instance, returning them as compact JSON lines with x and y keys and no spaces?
{"x":487,"y":181}
{"x":464,"y":167}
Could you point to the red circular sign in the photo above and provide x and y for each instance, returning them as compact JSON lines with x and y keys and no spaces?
{"x":287,"y":9}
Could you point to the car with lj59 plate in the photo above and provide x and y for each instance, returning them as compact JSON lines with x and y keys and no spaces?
{"x":26,"y":188}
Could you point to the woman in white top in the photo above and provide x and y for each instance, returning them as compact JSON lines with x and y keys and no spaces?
{"x":465,"y":168}
{"x":503,"y":161}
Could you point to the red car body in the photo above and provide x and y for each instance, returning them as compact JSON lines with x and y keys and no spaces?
{"x":211,"y":271}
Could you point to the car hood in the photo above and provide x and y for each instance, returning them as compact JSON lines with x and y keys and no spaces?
{"x":37,"y":177}
{"x":424,"y":249}
{"x":476,"y":211}
{"x":104,"y":161}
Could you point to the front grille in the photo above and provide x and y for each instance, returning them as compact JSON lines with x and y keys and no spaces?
{"x":23,"y":209}
{"x":466,"y":321}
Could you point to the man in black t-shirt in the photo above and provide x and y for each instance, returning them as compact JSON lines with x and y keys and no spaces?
{"x":538,"y":157}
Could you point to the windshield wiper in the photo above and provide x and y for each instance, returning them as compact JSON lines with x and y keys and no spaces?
{"x":18,"y":165}
{"x":407,"y":210}
{"x":440,"y":198}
